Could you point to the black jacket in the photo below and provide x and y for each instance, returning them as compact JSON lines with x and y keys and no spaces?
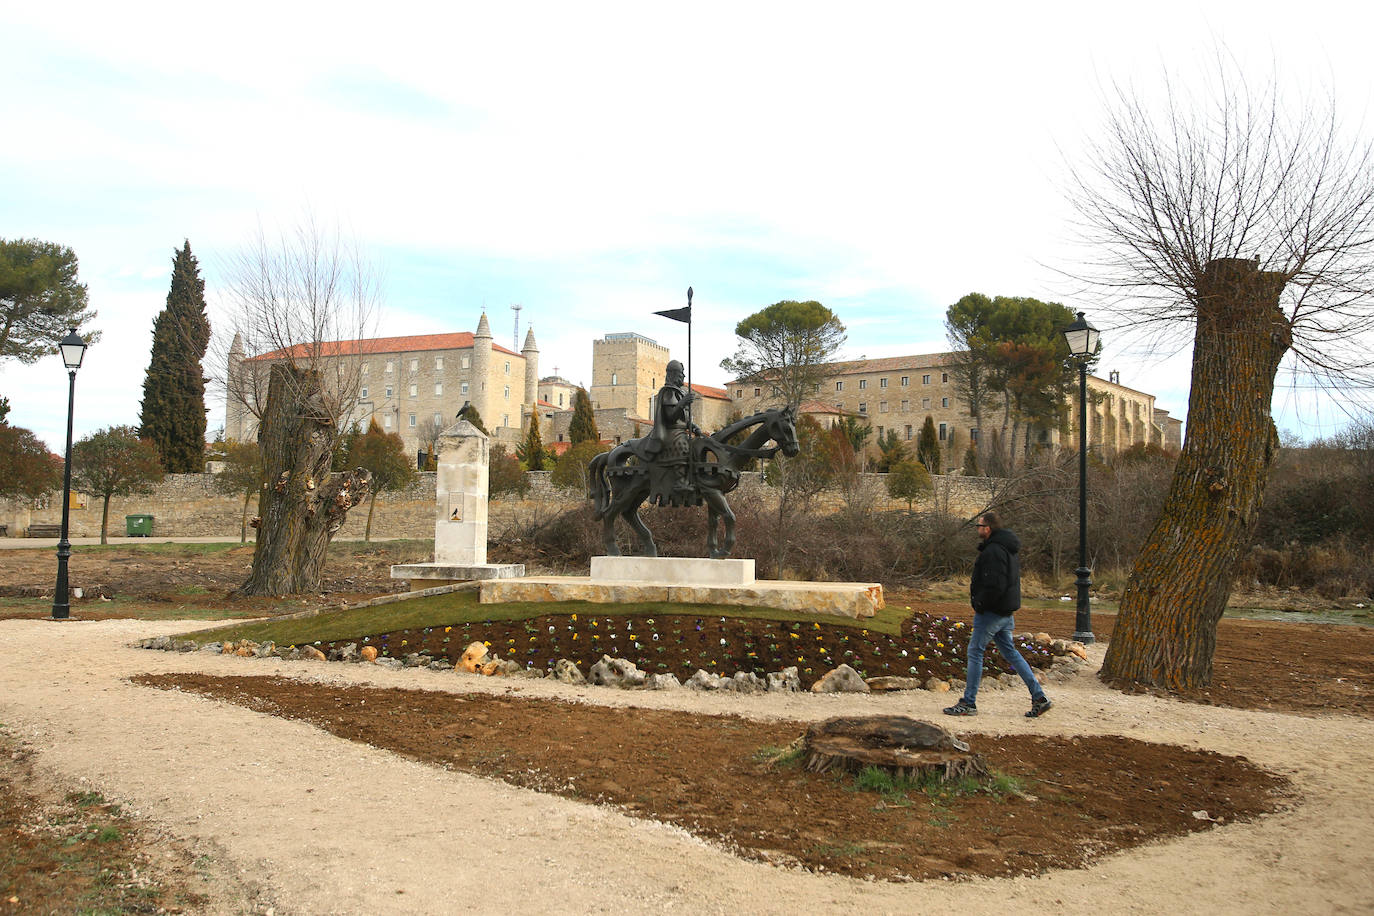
{"x":996,"y":584}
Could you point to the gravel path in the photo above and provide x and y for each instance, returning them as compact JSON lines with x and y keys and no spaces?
{"x":325,"y":825}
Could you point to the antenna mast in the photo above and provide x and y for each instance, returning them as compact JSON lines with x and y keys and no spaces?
{"x":516,"y":309}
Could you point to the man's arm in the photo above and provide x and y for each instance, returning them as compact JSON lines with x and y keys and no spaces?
{"x":994,"y":579}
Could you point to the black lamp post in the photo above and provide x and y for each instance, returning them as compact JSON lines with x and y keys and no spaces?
{"x":73,"y":350}
{"x":1082,"y":339}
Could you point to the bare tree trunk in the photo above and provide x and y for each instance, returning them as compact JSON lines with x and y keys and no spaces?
{"x":304,"y":504}
{"x":1165,"y":632}
{"x":371,"y":504}
{"x":105,"y":519}
{"x":243,"y":519}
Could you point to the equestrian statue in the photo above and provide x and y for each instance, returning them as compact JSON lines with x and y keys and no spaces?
{"x":678,"y":465}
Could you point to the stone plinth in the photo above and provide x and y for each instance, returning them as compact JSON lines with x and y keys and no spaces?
{"x":839,"y":599}
{"x":460,"y":496}
{"x":430,"y":575}
{"x":697,"y":571}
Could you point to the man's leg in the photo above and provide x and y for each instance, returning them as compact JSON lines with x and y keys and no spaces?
{"x":1002,"y":636}
{"x":983,"y":625}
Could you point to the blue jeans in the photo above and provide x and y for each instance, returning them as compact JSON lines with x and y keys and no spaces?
{"x":992,"y":628}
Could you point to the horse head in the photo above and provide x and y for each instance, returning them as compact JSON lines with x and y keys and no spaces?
{"x":783,"y":427}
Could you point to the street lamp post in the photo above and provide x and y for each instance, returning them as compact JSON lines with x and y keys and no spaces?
{"x":1082,"y":339}
{"x":73,"y":350}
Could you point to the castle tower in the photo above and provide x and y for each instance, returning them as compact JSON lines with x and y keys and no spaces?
{"x":627,"y":370}
{"x":531,"y":353}
{"x":481,"y":371}
{"x":234,"y":410}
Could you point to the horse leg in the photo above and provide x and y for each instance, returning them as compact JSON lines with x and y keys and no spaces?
{"x":729,"y":528}
{"x":711,"y":516}
{"x":647,"y":547}
{"x":608,"y":535}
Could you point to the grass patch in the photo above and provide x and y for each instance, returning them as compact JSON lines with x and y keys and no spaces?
{"x":457,"y":608}
{"x":161,"y":547}
{"x":897,"y":789}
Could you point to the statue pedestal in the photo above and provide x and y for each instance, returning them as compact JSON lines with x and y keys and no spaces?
{"x":430,"y":575}
{"x":698,"y":571}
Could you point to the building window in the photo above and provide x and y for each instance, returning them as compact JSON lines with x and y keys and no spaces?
{"x":757,"y":392}
{"x":390,"y":365}
{"x":882,"y":383}
{"x":412,"y":421}
{"x":363,"y":393}
{"x":739,"y":393}
{"x":906,"y":380}
{"x":944,"y":402}
{"x":388,"y":391}
{"x":944,"y":378}
{"x":438,"y":420}
{"x":438,"y":389}
{"x":463,"y":389}
{"x":882,"y":407}
{"x":466,"y":361}
{"x":505,"y":418}
{"x":438,"y":362}
{"x":507,"y":395}
{"x":973,"y":435}
{"x":614,"y":378}
{"x":863,"y":408}
{"x":925,"y":380}
{"x":386,"y":421}
{"x":414,"y":391}
{"x":925,"y":403}
{"x":363,"y":370}
{"x":908,"y":432}
{"x":839,"y":386}
{"x":880,"y":433}
{"x":863,"y":383}
{"x":944,"y":432}
{"x":560,"y":399}
{"x":507,"y":373}
{"x":414,"y":365}
{"x":906,"y":405}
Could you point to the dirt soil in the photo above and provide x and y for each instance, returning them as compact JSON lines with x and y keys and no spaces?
{"x":1078,"y":798}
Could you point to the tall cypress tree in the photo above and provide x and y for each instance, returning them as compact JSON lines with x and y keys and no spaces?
{"x":173,"y":410}
{"x":582,"y":427}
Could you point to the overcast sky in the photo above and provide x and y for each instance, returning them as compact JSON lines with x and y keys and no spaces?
{"x":591,"y":161}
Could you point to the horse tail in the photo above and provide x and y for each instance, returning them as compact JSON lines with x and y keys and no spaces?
{"x":597,"y":489}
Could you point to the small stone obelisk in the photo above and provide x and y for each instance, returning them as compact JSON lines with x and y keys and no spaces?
{"x":460,"y":515}
{"x":460,"y":485}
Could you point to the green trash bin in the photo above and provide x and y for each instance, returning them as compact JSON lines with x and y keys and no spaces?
{"x":138,"y":526}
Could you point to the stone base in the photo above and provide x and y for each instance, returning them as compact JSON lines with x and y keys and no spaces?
{"x":697,"y":571}
{"x":429,"y":575}
{"x":837,"y":599}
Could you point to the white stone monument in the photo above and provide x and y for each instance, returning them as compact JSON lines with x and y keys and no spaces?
{"x":460,"y":522}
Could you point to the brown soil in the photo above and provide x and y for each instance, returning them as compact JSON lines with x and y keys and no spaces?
{"x":1079,"y":798}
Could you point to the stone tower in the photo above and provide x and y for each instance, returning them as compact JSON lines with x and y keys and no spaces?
{"x":627,"y":370}
{"x":235,"y":413}
{"x":531,"y":353}
{"x":480,"y":394}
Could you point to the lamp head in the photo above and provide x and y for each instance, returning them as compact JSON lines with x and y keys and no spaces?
{"x":73,"y":350}
{"x":1082,"y":337}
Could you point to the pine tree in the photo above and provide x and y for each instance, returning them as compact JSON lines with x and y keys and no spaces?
{"x":928,"y":446}
{"x":582,"y":427}
{"x":531,"y":451}
{"x":173,"y":411}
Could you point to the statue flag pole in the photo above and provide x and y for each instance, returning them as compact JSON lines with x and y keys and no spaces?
{"x":685,"y":315}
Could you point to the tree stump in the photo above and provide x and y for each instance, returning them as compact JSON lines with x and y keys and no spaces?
{"x":904,"y":746}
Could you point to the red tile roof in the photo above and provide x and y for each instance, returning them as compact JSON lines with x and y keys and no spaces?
{"x":709,"y":392}
{"x":418,"y":343}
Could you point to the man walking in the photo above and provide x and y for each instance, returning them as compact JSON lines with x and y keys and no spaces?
{"x":995,"y":593}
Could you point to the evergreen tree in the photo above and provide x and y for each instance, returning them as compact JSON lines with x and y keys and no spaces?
{"x":40,"y":299}
{"x":473,"y":416}
{"x":173,"y":413}
{"x":891,"y":451}
{"x":582,"y":427}
{"x":114,"y":462}
{"x":384,"y":454}
{"x":531,"y":451}
{"x":928,"y":446}
{"x":908,"y":480}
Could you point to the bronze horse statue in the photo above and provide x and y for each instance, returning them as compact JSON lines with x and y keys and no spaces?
{"x":619,"y":480}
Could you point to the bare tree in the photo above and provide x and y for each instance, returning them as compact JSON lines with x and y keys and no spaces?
{"x":302,"y":306}
{"x":1251,"y":223}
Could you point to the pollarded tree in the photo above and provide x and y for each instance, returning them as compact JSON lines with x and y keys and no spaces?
{"x":384,"y":455}
{"x":114,"y":462}
{"x":27,"y":468}
{"x":582,"y":426}
{"x":788,"y":347}
{"x":173,"y":411}
{"x":1250,"y":223}
{"x":40,"y":299}
{"x":302,"y":304}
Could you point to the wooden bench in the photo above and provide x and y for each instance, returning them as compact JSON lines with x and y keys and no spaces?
{"x":45,"y":531}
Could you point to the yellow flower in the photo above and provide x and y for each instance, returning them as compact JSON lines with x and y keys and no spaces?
{"x":446,"y":629}
{"x":403,"y":642}
{"x":574,"y":617}
{"x":920,"y":658}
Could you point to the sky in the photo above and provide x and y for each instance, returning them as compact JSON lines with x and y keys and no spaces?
{"x":591,"y":161}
